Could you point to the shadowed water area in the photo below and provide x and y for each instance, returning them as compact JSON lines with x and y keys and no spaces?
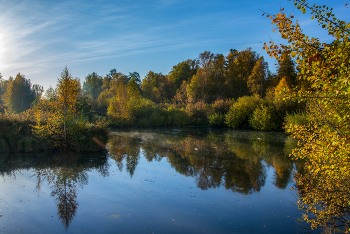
{"x":186,"y":180}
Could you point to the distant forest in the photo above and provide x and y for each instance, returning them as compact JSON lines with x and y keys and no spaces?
{"x":208,"y":90}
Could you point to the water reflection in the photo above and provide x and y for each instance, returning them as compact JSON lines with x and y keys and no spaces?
{"x":65,"y":173}
{"x":121,"y":148}
{"x":325,"y":199}
{"x":236,"y":160}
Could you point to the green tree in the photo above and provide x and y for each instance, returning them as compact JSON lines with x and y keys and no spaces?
{"x":183,"y":71}
{"x":245,"y":62}
{"x":92,"y":88}
{"x":133,"y":94}
{"x":3,"y":88}
{"x":92,"y":85}
{"x":156,"y":87}
{"x":20,"y":94}
{"x":207,"y":83}
{"x":231,"y":82}
{"x":219,"y":68}
{"x":196,"y":89}
{"x":102,"y":102}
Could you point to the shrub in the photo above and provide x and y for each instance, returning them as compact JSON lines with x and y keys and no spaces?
{"x":221,"y":106}
{"x":177,"y":117}
{"x":263,"y":119}
{"x":150,"y":114}
{"x":198,"y":113}
{"x":158,"y":117}
{"x":196,"y":110}
{"x":240,"y":111}
{"x":13,"y":128}
{"x":83,"y":134}
{"x":217,"y":119}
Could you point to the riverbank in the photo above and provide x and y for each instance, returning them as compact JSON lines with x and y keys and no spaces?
{"x":16,"y":135}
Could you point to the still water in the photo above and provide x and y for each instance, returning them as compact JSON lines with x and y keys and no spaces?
{"x":186,"y":180}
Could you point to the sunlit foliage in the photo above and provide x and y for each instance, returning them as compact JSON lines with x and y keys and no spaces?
{"x":324,"y":140}
{"x":241,"y":110}
{"x":54,"y":117}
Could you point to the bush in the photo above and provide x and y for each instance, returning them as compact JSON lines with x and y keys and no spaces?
{"x":217,"y":119}
{"x":177,"y":117}
{"x":263,"y":119}
{"x":13,"y":129}
{"x":149,"y":114}
{"x":158,"y":117}
{"x":198,"y":113}
{"x":197,"y":110}
{"x":299,"y":118}
{"x":83,"y":134}
{"x":239,"y":113}
{"x":221,"y":106}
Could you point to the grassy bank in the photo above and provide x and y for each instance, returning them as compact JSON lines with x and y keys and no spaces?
{"x":16,"y":135}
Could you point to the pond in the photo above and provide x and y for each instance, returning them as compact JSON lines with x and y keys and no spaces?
{"x":176,"y":180}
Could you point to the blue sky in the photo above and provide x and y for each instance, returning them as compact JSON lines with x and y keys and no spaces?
{"x":40,"y":37}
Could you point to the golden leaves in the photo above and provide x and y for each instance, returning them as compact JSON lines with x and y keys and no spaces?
{"x":324,"y":141}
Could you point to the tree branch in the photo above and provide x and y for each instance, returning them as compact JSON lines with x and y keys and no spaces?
{"x":329,"y":123}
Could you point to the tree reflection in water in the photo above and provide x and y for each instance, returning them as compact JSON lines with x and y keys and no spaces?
{"x":236,"y":160}
{"x":121,"y":148}
{"x":64,"y":172}
{"x":67,"y":205}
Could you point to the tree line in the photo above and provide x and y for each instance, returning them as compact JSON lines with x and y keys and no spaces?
{"x":208,"y":78}
{"x":197,"y":91}
{"x":194,"y":91}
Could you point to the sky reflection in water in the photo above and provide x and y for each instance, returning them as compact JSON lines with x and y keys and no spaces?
{"x":161,"y":181}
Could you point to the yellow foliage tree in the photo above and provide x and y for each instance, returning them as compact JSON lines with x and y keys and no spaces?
{"x":256,"y":80}
{"x":55,"y":116}
{"x":282,"y":88}
{"x":324,"y":142}
{"x":123,"y":104}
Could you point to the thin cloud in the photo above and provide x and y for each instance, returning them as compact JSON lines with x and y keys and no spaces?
{"x":43,"y":36}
